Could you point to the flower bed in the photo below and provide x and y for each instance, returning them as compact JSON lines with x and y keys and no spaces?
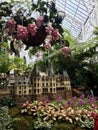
{"x":76,"y":111}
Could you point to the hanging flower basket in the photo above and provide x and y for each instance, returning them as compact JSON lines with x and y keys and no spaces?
{"x":38,"y":39}
{"x":36,"y":31}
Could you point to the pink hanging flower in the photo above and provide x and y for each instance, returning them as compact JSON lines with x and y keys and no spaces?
{"x":65,"y":49}
{"x":55,"y":34}
{"x":32,"y":29}
{"x":39,"y":21}
{"x":49,"y":28}
{"x":65,"y":55}
{"x":47,"y":46}
{"x":11,"y":24}
{"x":22,"y":32}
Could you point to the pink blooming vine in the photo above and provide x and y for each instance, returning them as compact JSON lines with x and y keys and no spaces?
{"x":39,"y":21}
{"x":65,"y":51}
{"x":49,"y":28}
{"x":55,"y":34}
{"x":47,"y":46}
{"x":25,"y":32}
{"x":11,"y":24}
{"x":32,"y":29}
{"x":22,"y":32}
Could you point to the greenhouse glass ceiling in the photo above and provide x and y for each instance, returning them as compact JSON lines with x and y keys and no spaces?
{"x":77,"y":12}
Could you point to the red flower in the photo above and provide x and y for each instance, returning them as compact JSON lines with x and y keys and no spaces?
{"x":39,"y":21}
{"x":11,"y":24}
{"x":55,"y":34}
{"x":32,"y":29}
{"x":26,"y":104}
{"x":65,"y":49}
{"x":22,"y":32}
{"x":49,"y":28}
{"x":47,"y":46}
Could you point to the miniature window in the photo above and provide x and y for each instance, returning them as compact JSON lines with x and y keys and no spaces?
{"x":45,"y":90}
{"x":50,"y":79}
{"x":38,"y":85}
{"x":34,"y":84}
{"x":46,"y":84}
{"x":11,"y":91}
{"x":19,"y":92}
{"x":38,"y":90}
{"x":51,"y":90}
{"x":34,"y":90}
{"x":54,"y":90}
{"x":34,"y":79}
{"x":29,"y":90}
{"x":12,"y":83}
{"x":24,"y":91}
{"x":51,"y":84}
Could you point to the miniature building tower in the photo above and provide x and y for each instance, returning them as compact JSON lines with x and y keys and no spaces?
{"x":50,"y":86}
{"x":23,"y":89}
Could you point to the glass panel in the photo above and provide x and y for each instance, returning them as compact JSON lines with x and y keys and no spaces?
{"x":77,"y":12}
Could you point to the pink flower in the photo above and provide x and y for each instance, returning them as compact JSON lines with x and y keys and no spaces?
{"x":39,"y":21}
{"x":65,"y":49}
{"x":47,"y":46}
{"x":22,"y":32}
{"x":37,"y":55}
{"x":11,"y":24}
{"x":65,"y":55}
{"x":49,"y":28}
{"x":55,"y":34}
{"x":26,"y":104}
{"x":32,"y":29}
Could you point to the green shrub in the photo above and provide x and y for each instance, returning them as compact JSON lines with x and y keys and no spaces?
{"x":7,"y":101}
{"x":63,"y":126}
{"x":19,"y":124}
{"x":14,"y":111}
{"x":20,"y":121}
{"x":5,"y":118}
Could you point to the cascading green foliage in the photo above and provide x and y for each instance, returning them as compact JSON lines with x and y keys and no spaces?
{"x":5,"y":11}
{"x":4,"y":59}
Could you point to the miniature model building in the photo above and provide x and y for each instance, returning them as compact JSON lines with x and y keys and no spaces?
{"x":36,"y":86}
{"x":50,"y":86}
